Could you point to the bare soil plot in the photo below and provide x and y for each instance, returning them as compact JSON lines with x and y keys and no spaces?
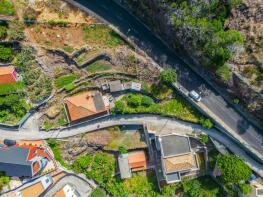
{"x":57,"y":37}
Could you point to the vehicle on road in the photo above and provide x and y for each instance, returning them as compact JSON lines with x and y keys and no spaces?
{"x":194,"y":95}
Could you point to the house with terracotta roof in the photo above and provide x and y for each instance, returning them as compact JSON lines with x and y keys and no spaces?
{"x":8,"y":74}
{"x":22,"y":161}
{"x":84,"y":106}
{"x":131,"y":162}
{"x":175,"y":158}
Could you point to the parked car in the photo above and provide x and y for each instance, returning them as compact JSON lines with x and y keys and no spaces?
{"x":194,"y":95}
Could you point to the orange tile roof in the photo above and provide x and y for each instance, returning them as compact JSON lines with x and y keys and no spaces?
{"x":180,"y":163}
{"x":83,"y":105}
{"x":6,"y":74}
{"x":60,"y":193}
{"x":137,"y":160}
{"x":33,"y":190}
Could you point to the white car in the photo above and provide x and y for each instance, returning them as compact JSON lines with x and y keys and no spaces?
{"x":194,"y":95}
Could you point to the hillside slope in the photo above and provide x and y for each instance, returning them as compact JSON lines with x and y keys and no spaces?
{"x":211,"y":33}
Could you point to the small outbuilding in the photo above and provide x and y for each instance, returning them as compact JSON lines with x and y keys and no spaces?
{"x":116,"y":86}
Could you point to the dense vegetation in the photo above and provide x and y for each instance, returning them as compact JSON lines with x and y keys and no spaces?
{"x":203,"y":186}
{"x":201,"y":25}
{"x":233,"y":169}
{"x":136,"y":103}
{"x":12,"y":108}
{"x":6,"y":54}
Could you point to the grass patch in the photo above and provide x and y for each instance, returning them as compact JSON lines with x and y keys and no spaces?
{"x":129,"y":140}
{"x":12,"y":88}
{"x":102,"y":35}
{"x":97,"y":67}
{"x":175,"y":107}
{"x":64,"y":80}
{"x":68,"y":49}
{"x":7,"y":7}
{"x":69,"y":87}
{"x":47,"y":125}
{"x":159,"y":90}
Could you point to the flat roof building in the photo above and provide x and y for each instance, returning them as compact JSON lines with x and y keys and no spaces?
{"x":116,"y":86}
{"x":177,"y":158}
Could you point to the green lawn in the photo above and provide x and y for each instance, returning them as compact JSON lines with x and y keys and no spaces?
{"x":97,"y":67}
{"x":7,"y":7}
{"x":6,"y":89}
{"x":102,"y":35}
{"x":175,"y":107}
{"x":64,"y":80}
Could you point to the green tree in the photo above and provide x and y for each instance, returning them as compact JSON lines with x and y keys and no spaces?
{"x":119,"y":106}
{"x":134,"y":100}
{"x":192,"y":188}
{"x":233,"y":169}
{"x":207,"y":123}
{"x":168,"y":76}
{"x":147,"y":101}
{"x":203,"y":138}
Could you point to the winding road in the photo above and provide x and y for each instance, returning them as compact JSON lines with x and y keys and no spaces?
{"x":156,"y":124}
{"x":128,"y":25}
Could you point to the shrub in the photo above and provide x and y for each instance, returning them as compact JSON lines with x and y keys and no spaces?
{"x":134,"y":100}
{"x":206,"y":123}
{"x":15,"y":31}
{"x":236,"y":101}
{"x":224,"y":73}
{"x":245,"y":188}
{"x":97,"y":193}
{"x":4,"y":180}
{"x":3,"y":32}
{"x":53,"y":23}
{"x":5,"y":54}
{"x":168,"y":76}
{"x":122,"y":150}
{"x":30,"y":16}
{"x":7,"y":7}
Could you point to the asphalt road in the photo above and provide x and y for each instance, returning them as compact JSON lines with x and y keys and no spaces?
{"x":147,"y":41}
